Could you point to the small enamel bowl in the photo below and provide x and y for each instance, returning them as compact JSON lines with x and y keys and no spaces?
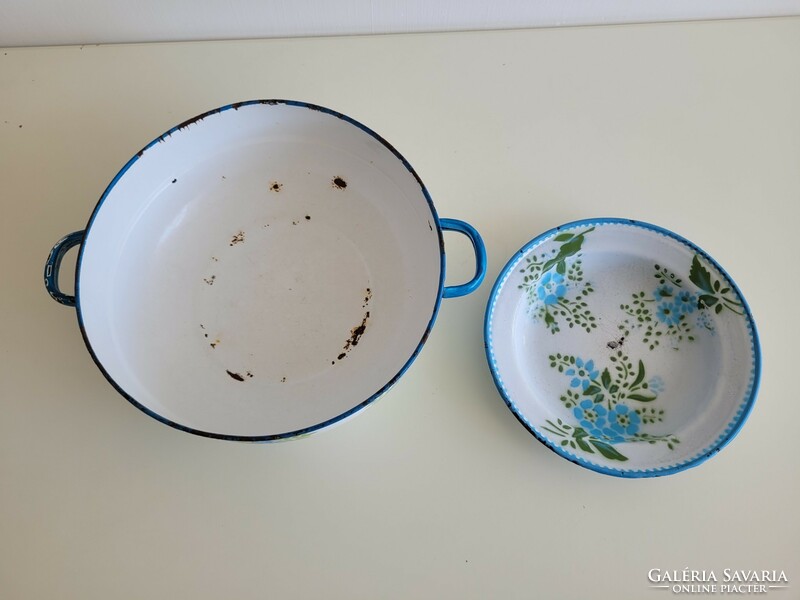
{"x":623,"y":347}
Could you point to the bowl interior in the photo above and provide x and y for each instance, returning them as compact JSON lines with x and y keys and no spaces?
{"x":622,"y":346}
{"x":260,"y":271}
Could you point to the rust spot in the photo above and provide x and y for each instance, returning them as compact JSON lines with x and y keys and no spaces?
{"x":613,"y":344}
{"x":270,"y":102}
{"x":205,"y":335}
{"x":249,"y":374}
{"x":275,"y":186}
{"x":237,"y":239}
{"x":339,"y":183}
{"x":355,"y":336}
{"x":308,"y":217}
{"x":215,"y":259}
{"x":214,"y":343}
{"x":210,"y":281}
{"x":235,"y":376}
{"x":430,"y":226}
{"x":224,"y":177}
{"x":202,"y":326}
{"x":425,"y":336}
{"x":294,"y":222}
{"x":367,"y":297}
{"x":283,"y":379}
{"x":20,"y":126}
{"x":175,"y":180}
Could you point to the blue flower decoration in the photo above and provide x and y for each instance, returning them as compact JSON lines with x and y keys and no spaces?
{"x":663,"y":291}
{"x":609,"y":435}
{"x":591,"y":416}
{"x":686,"y":302}
{"x":704,"y":320}
{"x":668,"y":313}
{"x":656,"y":385}
{"x":623,"y":421}
{"x":551,"y":288}
{"x":582,"y":373}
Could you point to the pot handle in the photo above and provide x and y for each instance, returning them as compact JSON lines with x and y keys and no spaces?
{"x":454,"y":291}
{"x":53,"y":265}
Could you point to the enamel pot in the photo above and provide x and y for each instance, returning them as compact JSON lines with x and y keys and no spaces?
{"x":260,"y":271}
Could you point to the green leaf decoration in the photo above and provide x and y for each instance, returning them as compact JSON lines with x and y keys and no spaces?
{"x":639,"y":375}
{"x":641,"y":397}
{"x":561,"y":267}
{"x":700,"y":276}
{"x":583,"y":445}
{"x":572,"y":246}
{"x":580,"y":432}
{"x":718,"y":309}
{"x":591,"y":390}
{"x":608,"y":451}
{"x":563,"y":237}
{"x":605,"y":378}
{"x":706,"y":301}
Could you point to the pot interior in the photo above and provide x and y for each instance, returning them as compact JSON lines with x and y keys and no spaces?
{"x":260,"y":271}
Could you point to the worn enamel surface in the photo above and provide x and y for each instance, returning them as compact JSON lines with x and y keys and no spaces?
{"x":623,"y":347}
{"x":261,"y":271}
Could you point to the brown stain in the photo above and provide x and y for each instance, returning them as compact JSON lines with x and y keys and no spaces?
{"x":339,"y":183}
{"x":367,"y":297}
{"x":237,"y":239}
{"x":355,"y":335}
{"x":275,"y":186}
{"x":235,"y":376}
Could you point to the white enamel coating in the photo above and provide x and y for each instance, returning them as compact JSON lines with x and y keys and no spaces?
{"x":260,"y":271}
{"x":708,"y":382}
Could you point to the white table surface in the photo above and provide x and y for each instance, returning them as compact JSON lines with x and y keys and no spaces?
{"x":436,"y":491}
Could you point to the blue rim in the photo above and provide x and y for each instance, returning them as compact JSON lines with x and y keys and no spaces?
{"x":732,"y":428}
{"x":298,"y":432}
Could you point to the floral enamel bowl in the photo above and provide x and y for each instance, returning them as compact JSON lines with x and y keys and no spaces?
{"x":623,"y":347}
{"x":260,"y":271}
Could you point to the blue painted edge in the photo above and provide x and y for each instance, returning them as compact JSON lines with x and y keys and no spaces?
{"x":456,"y":291}
{"x":52,"y":266}
{"x":288,"y":434}
{"x":732,"y":429}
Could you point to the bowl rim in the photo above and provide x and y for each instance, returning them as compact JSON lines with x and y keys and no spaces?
{"x":294,"y":434}
{"x":733,"y":427}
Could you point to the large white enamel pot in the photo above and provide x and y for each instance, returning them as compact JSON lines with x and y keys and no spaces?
{"x":261,"y":271}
